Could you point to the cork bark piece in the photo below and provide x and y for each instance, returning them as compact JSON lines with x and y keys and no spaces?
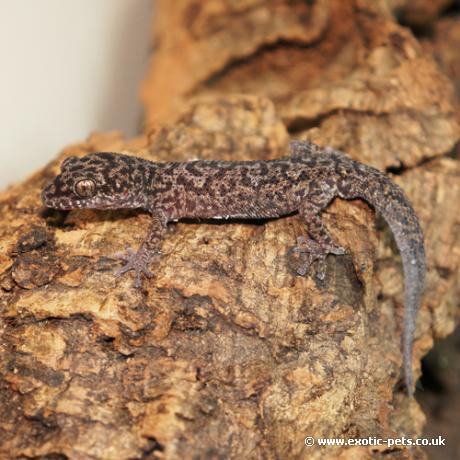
{"x":226,"y":353}
{"x":211,"y":35}
{"x":363,"y":80}
{"x":443,"y":44}
{"x":422,"y":13}
{"x":226,"y":344}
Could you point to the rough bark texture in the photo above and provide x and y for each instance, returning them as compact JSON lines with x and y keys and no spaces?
{"x":444,"y":44}
{"x":421,"y":14}
{"x":226,"y":353}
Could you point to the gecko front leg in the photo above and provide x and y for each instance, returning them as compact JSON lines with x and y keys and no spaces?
{"x":320,"y":243}
{"x":139,"y":261}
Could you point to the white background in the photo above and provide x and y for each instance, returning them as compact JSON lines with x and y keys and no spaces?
{"x":67,"y":68}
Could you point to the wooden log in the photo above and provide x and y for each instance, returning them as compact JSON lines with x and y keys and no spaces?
{"x":226,"y":353}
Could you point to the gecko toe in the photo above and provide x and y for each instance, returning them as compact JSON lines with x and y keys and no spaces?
{"x":308,"y":251}
{"x":321,"y":270}
{"x":137,"y":280}
{"x":303,"y":269}
{"x":126,"y":256}
{"x":336,"y":250}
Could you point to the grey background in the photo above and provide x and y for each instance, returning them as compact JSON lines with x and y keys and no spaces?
{"x":67,"y":68}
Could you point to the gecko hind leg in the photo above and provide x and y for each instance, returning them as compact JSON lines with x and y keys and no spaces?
{"x":318,"y":246}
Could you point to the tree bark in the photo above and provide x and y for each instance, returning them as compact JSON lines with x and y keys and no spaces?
{"x":226,"y":353}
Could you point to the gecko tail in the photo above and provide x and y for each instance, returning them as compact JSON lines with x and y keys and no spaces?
{"x":412,"y":252}
{"x":390,"y":200}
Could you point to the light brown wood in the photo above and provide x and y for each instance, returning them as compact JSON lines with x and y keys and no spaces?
{"x":226,"y":353}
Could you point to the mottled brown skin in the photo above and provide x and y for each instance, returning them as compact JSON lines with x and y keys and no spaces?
{"x":306,"y":182}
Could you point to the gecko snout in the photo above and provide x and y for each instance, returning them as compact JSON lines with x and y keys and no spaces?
{"x":47,"y":193}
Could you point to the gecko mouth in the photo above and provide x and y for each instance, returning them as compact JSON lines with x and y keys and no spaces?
{"x":67,"y":203}
{"x":60,"y":204}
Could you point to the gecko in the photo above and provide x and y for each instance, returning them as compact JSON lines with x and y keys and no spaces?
{"x":305,"y":182}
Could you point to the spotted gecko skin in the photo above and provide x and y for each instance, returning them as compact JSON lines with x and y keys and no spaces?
{"x":305,"y":182}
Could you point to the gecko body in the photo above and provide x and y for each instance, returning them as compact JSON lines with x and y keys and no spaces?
{"x":305,"y":182}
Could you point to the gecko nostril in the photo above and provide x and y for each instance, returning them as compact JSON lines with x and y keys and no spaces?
{"x":45,"y":194}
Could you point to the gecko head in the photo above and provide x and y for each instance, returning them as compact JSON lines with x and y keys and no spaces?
{"x":97,"y":181}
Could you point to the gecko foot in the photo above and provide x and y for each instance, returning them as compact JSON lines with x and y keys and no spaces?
{"x":137,"y":261}
{"x":308,"y":251}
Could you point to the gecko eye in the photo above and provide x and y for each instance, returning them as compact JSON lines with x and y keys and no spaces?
{"x":85,"y":188}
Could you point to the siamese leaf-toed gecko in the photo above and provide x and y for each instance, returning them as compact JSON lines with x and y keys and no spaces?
{"x":305,"y":182}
